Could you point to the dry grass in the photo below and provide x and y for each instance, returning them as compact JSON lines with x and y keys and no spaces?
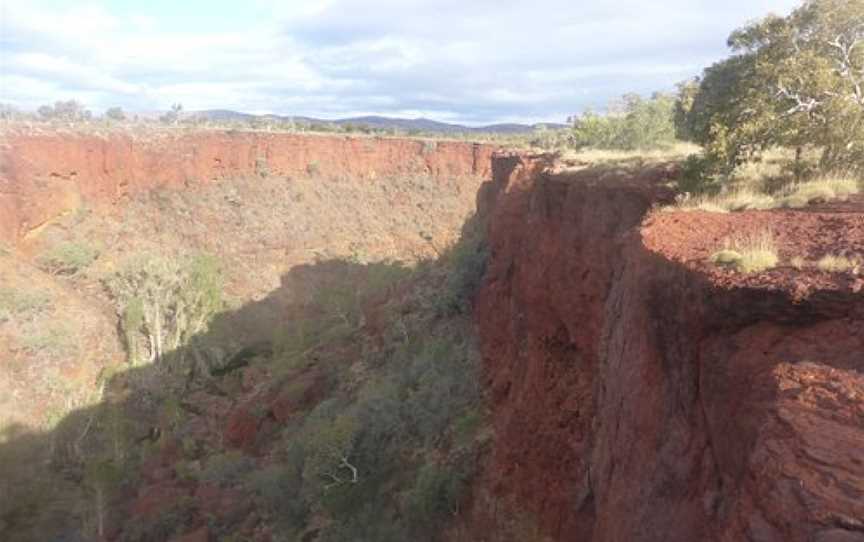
{"x":740,"y":199}
{"x":820,"y":190}
{"x":749,"y":254}
{"x":832,"y":263}
{"x":147,"y":129}
{"x":798,"y":263}
{"x":746,"y":197}
{"x":676,"y":152}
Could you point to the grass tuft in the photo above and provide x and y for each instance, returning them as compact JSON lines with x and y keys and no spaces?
{"x":794,"y":196}
{"x":741,"y":199}
{"x":749,"y":254}
{"x":836,"y":264}
{"x":821,"y":190}
{"x":798,"y":263}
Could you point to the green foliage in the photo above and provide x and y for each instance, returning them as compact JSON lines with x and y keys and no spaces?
{"x":164,"y":302}
{"x":550,"y":138}
{"x":131,"y":323}
{"x":466,"y":263}
{"x":165,"y":526}
{"x":18,"y":303}
{"x":67,"y":258}
{"x":328,"y":445}
{"x":333,"y":308}
{"x":684,"y":101}
{"x":466,"y":426}
{"x":115,"y":114}
{"x":698,"y":175}
{"x":352,"y":456}
{"x":69,"y":110}
{"x":279,"y":485}
{"x":228,"y":468}
{"x":435,"y":496}
{"x":174,"y":115}
{"x":635,"y":123}
{"x":55,"y":340}
{"x":429,"y":147}
{"x":793,"y":81}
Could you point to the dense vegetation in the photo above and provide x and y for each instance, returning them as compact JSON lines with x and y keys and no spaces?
{"x":634,"y":123}
{"x":367,"y":405}
{"x":793,"y":82}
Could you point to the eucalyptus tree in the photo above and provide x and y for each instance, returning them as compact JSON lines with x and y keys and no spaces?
{"x":791,"y":81}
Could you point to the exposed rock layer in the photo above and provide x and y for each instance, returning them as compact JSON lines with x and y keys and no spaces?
{"x":636,"y":397}
{"x":45,"y":175}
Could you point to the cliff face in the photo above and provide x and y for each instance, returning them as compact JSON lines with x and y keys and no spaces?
{"x":638,"y":395}
{"x":43,"y":176}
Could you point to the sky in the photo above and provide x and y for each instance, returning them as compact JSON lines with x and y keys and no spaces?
{"x":466,"y":61}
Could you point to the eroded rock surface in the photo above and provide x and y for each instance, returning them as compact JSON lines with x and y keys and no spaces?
{"x":638,"y":394}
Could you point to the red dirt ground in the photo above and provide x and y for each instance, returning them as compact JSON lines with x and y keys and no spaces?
{"x":691,"y":238}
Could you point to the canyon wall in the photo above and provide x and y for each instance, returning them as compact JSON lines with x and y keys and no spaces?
{"x":44,"y":175}
{"x":636,"y":396}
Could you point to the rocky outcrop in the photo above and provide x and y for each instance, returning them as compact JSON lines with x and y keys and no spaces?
{"x":637,"y":395}
{"x":45,"y":175}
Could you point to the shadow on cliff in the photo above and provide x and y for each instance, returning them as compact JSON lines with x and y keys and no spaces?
{"x":658,"y":396}
{"x":67,"y":484}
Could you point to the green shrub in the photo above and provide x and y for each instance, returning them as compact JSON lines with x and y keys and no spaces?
{"x":67,"y":258}
{"x":280,"y":485}
{"x":55,"y":340}
{"x":698,"y":175}
{"x":227,"y":468}
{"x":163,"y":527}
{"x":635,"y":123}
{"x":164,"y":302}
{"x":429,"y":146}
{"x":262,"y":167}
{"x":15,"y":302}
{"x":466,"y":263}
{"x":435,"y":496}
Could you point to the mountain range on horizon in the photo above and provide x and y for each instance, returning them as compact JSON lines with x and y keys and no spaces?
{"x":381,"y":122}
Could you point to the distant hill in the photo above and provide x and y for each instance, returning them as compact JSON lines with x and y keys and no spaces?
{"x":380,"y":123}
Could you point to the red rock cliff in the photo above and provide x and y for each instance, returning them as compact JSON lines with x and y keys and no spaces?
{"x":44,"y":175}
{"x":638,"y":395}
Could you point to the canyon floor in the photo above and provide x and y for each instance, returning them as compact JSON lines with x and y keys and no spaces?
{"x":413,"y":339}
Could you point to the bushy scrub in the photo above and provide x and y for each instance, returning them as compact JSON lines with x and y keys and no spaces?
{"x":163,"y":302}
{"x":466,"y":263}
{"x":19,"y":303}
{"x":633,"y":123}
{"x":67,"y":258}
{"x":353,"y":458}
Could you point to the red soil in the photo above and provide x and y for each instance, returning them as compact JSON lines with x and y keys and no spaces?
{"x":691,"y":239}
{"x":45,"y":175}
{"x":639,"y":393}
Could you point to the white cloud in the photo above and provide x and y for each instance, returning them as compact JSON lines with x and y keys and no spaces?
{"x":479,"y":61}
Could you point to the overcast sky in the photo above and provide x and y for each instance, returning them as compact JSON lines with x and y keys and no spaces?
{"x":470,"y":61}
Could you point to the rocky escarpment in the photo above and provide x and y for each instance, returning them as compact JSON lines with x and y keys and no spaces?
{"x":43,"y":175}
{"x":639,"y":394}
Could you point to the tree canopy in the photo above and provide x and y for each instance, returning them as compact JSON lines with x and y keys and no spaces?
{"x":631,"y":123}
{"x":791,"y":81}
